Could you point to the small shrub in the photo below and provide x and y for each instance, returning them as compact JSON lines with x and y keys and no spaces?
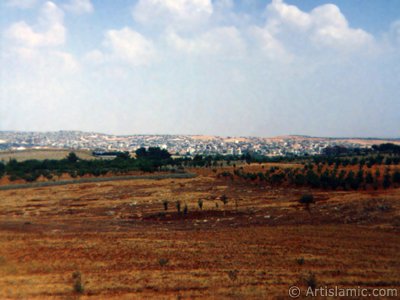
{"x":13,"y":177}
{"x":178,"y":206}
{"x":77,"y":282}
{"x":396,"y":177}
{"x":185,"y":209}
{"x":306,"y":200}
{"x":224,"y":199}
{"x":383,"y":207}
{"x":386,"y":181}
{"x":300,"y":261}
{"x":375,"y":185}
{"x":233,"y":274}
{"x":311,"y":281}
{"x":165,"y":204}
{"x":161,"y":215}
{"x":200,"y":203}
{"x":163,"y":262}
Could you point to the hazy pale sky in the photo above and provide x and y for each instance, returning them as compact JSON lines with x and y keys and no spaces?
{"x":221,"y":67}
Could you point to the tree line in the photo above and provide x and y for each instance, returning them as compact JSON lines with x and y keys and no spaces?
{"x":154,"y":159}
{"x":384,"y":154}
{"x":316,"y":177}
{"x":146,"y":160}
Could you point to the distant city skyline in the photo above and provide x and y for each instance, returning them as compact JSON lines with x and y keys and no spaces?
{"x":201,"y":67}
{"x":179,"y":144}
{"x":397,"y":138}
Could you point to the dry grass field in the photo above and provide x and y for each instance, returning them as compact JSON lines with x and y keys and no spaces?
{"x":124,"y":245}
{"x":41,"y":154}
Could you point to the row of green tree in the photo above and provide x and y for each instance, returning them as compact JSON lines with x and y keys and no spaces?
{"x":387,"y":148}
{"x":147,"y":160}
{"x":368,"y":161}
{"x":387,"y":154}
{"x":328,"y":179}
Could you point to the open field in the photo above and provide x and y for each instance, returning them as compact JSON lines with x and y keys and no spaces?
{"x":41,"y":154}
{"x":157,"y":176}
{"x":125,"y":246}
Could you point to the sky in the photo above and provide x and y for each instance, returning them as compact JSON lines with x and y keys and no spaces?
{"x":212,"y":67}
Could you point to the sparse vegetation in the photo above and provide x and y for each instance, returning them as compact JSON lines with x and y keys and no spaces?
{"x":178,"y":206}
{"x":200,"y":204}
{"x":306,"y":200}
{"x":396,"y":177}
{"x":165,"y":204}
{"x":233,"y":275}
{"x":311,"y":281}
{"x":386,"y":180}
{"x":224,"y":199}
{"x":163,"y":262}
{"x":77,"y":282}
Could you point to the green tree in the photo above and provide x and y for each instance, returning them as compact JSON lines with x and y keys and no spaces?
{"x":200,"y":203}
{"x":307,"y":200}
{"x":178,"y":206}
{"x":386,"y":180}
{"x":369,"y":179}
{"x":396,"y":177}
{"x":72,"y":157}
{"x":224,"y":199}
{"x":2,"y":169}
{"x":165,"y":204}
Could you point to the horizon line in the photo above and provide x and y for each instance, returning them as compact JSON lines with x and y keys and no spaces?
{"x":210,"y":135}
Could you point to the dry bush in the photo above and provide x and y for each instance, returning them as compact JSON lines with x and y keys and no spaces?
{"x":77,"y":282}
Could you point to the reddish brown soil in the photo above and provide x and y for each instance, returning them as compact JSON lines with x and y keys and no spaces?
{"x":126,"y":246}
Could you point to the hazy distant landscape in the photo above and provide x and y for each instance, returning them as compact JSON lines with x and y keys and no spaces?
{"x":181,"y":144}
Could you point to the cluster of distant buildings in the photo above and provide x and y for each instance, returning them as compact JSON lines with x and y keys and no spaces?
{"x":175,"y":144}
